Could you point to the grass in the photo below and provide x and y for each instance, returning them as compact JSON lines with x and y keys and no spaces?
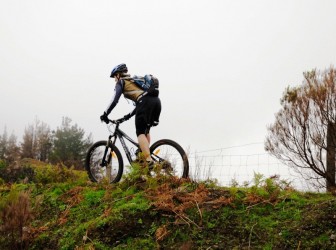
{"x":67,"y":211}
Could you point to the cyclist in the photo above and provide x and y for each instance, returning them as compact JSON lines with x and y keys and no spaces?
{"x":147,"y":107}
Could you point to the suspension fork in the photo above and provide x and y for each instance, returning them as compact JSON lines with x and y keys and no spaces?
{"x":109,"y":144}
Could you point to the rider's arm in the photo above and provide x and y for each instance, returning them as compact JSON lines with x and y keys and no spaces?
{"x":128,"y":116}
{"x":133,"y":112}
{"x":117,"y":93}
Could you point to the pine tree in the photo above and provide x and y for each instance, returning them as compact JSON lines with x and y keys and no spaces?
{"x":70,"y":145}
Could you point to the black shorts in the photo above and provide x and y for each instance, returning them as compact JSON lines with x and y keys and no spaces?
{"x":147,"y":114}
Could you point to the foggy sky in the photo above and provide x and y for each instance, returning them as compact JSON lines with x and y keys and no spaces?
{"x":222,"y":65}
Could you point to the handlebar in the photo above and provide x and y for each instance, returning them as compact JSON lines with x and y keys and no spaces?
{"x":118,"y":121}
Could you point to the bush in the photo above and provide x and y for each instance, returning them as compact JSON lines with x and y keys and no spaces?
{"x":2,"y":164}
{"x":54,"y":174}
{"x":29,"y":170}
{"x":16,"y":173}
{"x":16,"y":215}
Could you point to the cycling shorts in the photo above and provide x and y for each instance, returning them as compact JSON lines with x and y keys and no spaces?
{"x":148,"y":110}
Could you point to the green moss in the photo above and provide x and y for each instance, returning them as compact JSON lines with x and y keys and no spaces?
{"x":137,"y":244}
{"x":93,"y":197}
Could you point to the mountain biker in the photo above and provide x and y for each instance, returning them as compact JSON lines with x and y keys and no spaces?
{"x":147,"y":107}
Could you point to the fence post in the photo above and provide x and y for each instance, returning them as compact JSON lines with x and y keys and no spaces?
{"x":331,"y":162}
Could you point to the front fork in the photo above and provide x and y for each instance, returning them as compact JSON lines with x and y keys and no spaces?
{"x":111,"y":141}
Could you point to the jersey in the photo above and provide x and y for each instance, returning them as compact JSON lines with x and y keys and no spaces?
{"x":126,"y":87}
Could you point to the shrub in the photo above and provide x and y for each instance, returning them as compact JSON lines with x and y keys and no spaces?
{"x":2,"y":164}
{"x":56,"y":174}
{"x":16,"y":173}
{"x":16,"y":215}
{"x":29,"y":170}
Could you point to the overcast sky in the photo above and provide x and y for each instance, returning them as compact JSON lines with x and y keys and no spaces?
{"x":222,"y":65}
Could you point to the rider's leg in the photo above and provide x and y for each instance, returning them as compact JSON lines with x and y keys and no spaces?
{"x":144,"y":141}
{"x":148,"y":110}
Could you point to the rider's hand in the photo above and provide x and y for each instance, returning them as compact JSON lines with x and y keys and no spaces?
{"x":104,"y":118}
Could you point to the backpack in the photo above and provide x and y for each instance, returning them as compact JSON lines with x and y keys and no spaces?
{"x":148,"y":83}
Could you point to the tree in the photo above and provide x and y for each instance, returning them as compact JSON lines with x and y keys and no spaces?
{"x":37,"y":141}
{"x":44,"y":141}
{"x":3,"y":144}
{"x":70,"y":146}
{"x":13,"y":150}
{"x":303,"y":135}
{"x":9,"y":151}
{"x":28,"y":146}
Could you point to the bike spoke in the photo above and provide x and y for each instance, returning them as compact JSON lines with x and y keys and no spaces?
{"x":170,"y":160}
{"x":99,"y":168}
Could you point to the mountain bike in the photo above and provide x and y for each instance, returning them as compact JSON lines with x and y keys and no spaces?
{"x":104,"y":160}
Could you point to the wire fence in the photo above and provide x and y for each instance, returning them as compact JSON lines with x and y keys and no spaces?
{"x":227,"y":168}
{"x":229,"y":165}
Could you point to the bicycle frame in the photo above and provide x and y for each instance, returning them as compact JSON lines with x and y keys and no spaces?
{"x":121,"y":135}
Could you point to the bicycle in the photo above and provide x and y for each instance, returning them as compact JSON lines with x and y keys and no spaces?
{"x":104,"y":159}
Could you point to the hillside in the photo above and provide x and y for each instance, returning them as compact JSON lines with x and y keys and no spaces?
{"x":53,"y":207}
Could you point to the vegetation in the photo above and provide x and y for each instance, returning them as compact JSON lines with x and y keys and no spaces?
{"x":53,"y":207}
{"x":67,"y":145}
{"x":70,"y":145}
{"x":303,"y":135}
{"x":46,"y":202}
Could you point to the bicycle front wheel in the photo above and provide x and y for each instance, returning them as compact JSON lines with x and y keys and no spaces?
{"x":172,"y":156}
{"x":110,"y":168}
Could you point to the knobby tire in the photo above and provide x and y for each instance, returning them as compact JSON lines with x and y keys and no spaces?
{"x":94,"y":158}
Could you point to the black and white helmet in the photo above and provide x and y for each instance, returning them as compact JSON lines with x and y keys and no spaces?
{"x":121,"y":68}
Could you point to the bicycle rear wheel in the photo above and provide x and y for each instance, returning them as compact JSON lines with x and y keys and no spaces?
{"x":113,"y":167}
{"x":171,"y":156}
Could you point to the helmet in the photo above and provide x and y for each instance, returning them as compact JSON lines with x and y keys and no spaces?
{"x":121,"y":68}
